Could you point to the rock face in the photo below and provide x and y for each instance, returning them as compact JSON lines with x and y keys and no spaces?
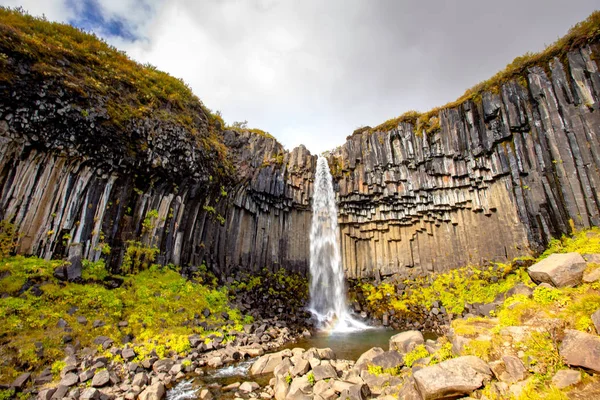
{"x":521,"y":163}
{"x":559,"y":270}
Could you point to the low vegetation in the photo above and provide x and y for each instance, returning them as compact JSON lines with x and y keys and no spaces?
{"x":157,"y":307}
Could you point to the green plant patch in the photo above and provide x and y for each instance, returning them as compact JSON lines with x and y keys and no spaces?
{"x":160,"y":306}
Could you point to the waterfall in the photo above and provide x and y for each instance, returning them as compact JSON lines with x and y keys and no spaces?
{"x":327,"y":289}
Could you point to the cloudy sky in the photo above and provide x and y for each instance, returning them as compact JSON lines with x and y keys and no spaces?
{"x":312,"y":71}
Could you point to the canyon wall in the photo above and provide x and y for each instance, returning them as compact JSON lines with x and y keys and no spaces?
{"x":499,"y":177}
{"x":114,"y":160}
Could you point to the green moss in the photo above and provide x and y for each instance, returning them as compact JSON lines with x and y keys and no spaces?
{"x":158,"y":304}
{"x":8,"y":238}
{"x":416,"y":354}
{"x":311,"y":378}
{"x":7,"y":394}
{"x":444,"y":353}
{"x":583,"y":242}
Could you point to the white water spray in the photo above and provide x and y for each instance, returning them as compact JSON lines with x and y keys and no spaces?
{"x":327,"y":289}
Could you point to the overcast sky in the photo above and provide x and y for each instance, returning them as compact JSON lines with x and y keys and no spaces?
{"x":310,"y":72}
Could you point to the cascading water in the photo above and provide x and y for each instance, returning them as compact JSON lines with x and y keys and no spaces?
{"x":327,"y":289}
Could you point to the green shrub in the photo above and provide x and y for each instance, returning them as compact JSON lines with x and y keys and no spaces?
{"x":8,"y":238}
{"x":138,"y":257}
{"x":416,"y":354}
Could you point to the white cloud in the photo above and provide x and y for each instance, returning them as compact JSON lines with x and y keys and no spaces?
{"x":312,"y":71}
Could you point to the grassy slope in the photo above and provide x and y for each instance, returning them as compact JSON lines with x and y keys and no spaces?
{"x":158,"y":305}
{"x":568,"y":308}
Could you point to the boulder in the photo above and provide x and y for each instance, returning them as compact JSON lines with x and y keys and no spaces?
{"x":90,"y":394}
{"x":300,"y":388}
{"x":163,"y":365}
{"x":356,"y":392}
{"x":128,"y":354}
{"x":21,"y":381}
{"x":69,"y":379}
{"x":452,"y":378}
{"x":205,"y":394}
{"x":409,"y":390}
{"x":591,"y":276}
{"x":565,"y":378}
{"x":301,"y":368}
{"x":596,"y":320}
{"x":367,"y":357}
{"x":268,"y":362}
{"x":559,"y":270}
{"x":406,"y":341}
{"x":324,"y":371}
{"x":509,"y":369}
{"x":249,"y":387}
{"x":326,"y":354}
{"x":140,"y":379}
{"x":101,"y":378}
{"x":389,"y":359}
{"x":71,"y":270}
{"x":581,"y":349}
{"x":156,"y":391}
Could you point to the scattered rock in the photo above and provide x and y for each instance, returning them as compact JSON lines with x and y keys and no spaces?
{"x":249,"y":387}
{"x":367,"y":357}
{"x":205,"y":394}
{"x":156,"y":391}
{"x":90,"y":394}
{"x":21,"y":381}
{"x":128,"y":354}
{"x":565,"y":378}
{"x":406,"y":341}
{"x":592,"y":276}
{"x":69,"y":379}
{"x":452,"y":378}
{"x":101,"y":378}
{"x":324,"y":371}
{"x":559,"y":270}
{"x":596,"y":321}
{"x":581,"y":349}
{"x":389,"y":359}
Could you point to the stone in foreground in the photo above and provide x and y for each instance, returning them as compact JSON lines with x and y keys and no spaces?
{"x":153,"y":392}
{"x":581,"y":349}
{"x":406,"y":341}
{"x":559,"y":270}
{"x":565,"y":378}
{"x":452,"y":378}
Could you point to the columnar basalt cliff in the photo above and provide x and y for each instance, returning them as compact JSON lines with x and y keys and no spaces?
{"x":497,"y":178}
{"x":100,"y":155}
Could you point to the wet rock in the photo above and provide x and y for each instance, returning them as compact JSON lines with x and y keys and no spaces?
{"x":205,"y":394}
{"x":565,"y":378}
{"x":452,"y":378}
{"x":581,"y":349}
{"x":268,"y":362}
{"x":406,"y":341}
{"x":559,"y":270}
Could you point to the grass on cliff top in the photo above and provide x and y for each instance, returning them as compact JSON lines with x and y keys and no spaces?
{"x":584,"y":32}
{"x":158,"y":304}
{"x":86,"y":65}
